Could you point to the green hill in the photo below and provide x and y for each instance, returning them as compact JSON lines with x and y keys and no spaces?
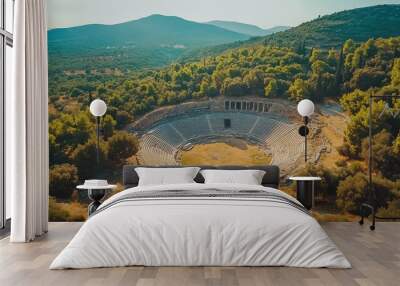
{"x":148,"y":42}
{"x":152,"y":31}
{"x":360,"y":24}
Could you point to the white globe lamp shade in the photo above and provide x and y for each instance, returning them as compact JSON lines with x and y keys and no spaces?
{"x":305,"y":108}
{"x":98,"y":107}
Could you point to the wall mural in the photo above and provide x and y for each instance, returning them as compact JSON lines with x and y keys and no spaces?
{"x":195,"y":88}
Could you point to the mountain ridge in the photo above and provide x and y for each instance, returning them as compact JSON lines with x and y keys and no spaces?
{"x":247,"y":29}
{"x":150,"y":31}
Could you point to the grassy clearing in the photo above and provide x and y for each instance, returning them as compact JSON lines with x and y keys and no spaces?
{"x":225,"y":153}
{"x":72,"y":211}
{"x":334,"y":217}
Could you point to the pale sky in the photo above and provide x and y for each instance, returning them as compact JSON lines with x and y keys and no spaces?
{"x":263,"y":13}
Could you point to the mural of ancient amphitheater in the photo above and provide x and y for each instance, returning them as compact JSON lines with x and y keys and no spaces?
{"x":227,"y":131}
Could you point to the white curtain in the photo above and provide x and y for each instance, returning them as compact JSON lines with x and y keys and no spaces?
{"x":27,"y":123}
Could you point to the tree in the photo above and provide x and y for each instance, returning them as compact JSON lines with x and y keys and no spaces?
{"x":84,"y":158}
{"x":123,"y":118}
{"x":207,"y":88}
{"x":332,"y":58}
{"x":396,"y":73}
{"x":300,"y":89}
{"x":271,"y":90}
{"x":71,"y":130}
{"x":234,"y":87}
{"x":56,"y":154}
{"x":349,"y":47}
{"x":319,"y":67}
{"x":108,"y":126}
{"x":366,"y":78}
{"x":63,"y":180}
{"x":255,"y":81}
{"x":315,"y":55}
{"x":357,"y":128}
{"x":301,"y":47}
{"x":358,"y":59}
{"x":351,"y":192}
{"x":121,"y":146}
{"x":339,"y":69}
{"x":386,"y":160}
{"x":354,"y":101}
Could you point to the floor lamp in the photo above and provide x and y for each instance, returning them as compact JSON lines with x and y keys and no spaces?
{"x":98,"y":108}
{"x":305,"y":108}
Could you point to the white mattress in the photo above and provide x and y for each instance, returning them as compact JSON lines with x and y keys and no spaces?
{"x":200,"y":232}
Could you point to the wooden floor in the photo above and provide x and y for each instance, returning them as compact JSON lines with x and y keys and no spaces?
{"x":375,"y":257}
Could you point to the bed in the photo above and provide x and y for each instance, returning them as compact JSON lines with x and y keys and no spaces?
{"x":198,"y":224}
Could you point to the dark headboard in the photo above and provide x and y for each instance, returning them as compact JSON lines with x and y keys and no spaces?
{"x":271,"y":178}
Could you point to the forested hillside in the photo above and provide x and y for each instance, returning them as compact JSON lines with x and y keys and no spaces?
{"x":325,"y":32}
{"x":333,"y":30}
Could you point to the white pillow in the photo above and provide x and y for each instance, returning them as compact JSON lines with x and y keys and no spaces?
{"x":245,"y":177}
{"x":166,"y":176}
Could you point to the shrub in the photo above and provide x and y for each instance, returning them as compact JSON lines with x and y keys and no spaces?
{"x":56,"y":213}
{"x":328,"y":185}
{"x":84,"y":157}
{"x":392,"y":210}
{"x":121,"y":146}
{"x":63,"y":179}
{"x":351,"y":192}
{"x":66,"y":211}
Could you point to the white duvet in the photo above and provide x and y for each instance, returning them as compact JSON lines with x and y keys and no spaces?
{"x":200,"y":231}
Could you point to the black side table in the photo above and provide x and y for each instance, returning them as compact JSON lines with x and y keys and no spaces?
{"x":305,"y":190}
{"x":96,"y":194}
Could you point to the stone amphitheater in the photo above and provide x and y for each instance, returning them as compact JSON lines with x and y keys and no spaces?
{"x":272,"y":125}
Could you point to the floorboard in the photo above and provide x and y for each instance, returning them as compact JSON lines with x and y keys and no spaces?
{"x":375,"y":257}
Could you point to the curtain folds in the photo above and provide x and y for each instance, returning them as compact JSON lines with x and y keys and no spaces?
{"x":27,"y":155}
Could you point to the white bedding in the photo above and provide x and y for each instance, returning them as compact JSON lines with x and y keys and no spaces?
{"x":200,"y":231}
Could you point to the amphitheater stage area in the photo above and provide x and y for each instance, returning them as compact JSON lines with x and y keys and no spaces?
{"x":223,"y":151}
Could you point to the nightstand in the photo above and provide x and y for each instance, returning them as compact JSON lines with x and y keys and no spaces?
{"x":97,"y":190}
{"x":305,"y":190}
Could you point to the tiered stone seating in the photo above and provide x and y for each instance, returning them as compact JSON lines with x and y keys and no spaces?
{"x":287,"y":147}
{"x":193,"y":127}
{"x":167,"y":133}
{"x":242,"y":123}
{"x":160,"y":145}
{"x":155,"y":151}
{"x":263,"y":129}
{"x":217,"y":121}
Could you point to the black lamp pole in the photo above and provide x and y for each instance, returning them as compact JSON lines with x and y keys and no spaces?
{"x":98,"y":141}
{"x":305,"y":138}
{"x":304,"y":131}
